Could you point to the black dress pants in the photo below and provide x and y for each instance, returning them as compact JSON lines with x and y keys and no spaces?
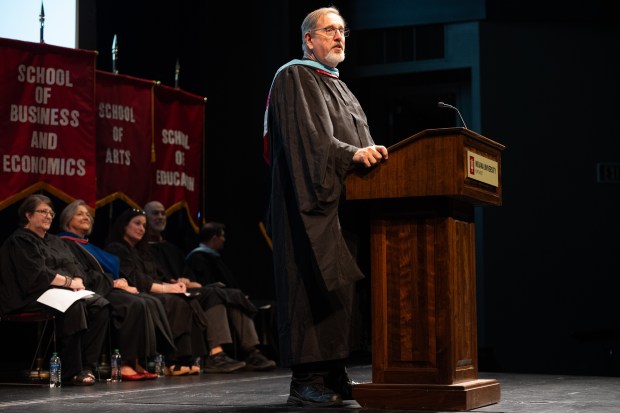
{"x":82,"y":330}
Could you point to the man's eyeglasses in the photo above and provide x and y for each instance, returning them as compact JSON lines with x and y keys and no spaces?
{"x":331,"y":31}
{"x":46,"y":212}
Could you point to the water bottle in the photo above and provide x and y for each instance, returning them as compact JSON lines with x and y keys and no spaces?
{"x":55,"y":371}
{"x":160,"y":365}
{"x":116,"y":376}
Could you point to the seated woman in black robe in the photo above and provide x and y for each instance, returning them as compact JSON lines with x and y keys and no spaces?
{"x":185,"y":316}
{"x":33,"y":261}
{"x":140,"y":328}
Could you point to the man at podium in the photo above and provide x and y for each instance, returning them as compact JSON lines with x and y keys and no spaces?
{"x":316,"y":132}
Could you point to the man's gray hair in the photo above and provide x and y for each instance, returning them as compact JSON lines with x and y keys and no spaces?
{"x":311,"y":21}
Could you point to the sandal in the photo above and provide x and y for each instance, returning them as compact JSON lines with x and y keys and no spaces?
{"x":176,"y":370}
{"x":83,"y":378}
{"x":194,"y":370}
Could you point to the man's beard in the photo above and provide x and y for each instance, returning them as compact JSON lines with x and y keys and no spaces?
{"x":158,"y":227}
{"x":333,"y":58}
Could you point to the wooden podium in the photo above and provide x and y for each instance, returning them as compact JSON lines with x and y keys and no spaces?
{"x":423,"y":275}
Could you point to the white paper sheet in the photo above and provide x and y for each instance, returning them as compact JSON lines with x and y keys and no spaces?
{"x":61,"y":299}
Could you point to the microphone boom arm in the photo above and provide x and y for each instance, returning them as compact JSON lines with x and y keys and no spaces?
{"x":445,"y":105}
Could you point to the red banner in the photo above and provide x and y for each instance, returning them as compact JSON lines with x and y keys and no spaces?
{"x":178,"y":139}
{"x":47,"y":123}
{"x":124,"y":138}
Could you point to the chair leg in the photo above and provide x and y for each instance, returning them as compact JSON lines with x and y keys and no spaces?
{"x":38,"y":364}
{"x":41,"y":328}
{"x":103,"y":366}
{"x":54,"y":332}
{"x":268,"y":336}
{"x":39,"y":356}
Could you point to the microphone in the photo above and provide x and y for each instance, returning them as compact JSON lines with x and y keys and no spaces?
{"x":445,"y":105}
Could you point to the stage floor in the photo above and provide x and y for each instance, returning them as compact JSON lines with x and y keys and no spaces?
{"x":267,"y":392}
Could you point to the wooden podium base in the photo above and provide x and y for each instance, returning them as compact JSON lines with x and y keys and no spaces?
{"x":462,"y":396}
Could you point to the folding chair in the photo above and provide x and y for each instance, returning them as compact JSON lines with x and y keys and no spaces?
{"x":42,"y":319}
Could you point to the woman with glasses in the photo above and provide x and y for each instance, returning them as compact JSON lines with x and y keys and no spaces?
{"x":140,"y":329}
{"x":316,"y":132}
{"x":33,"y":261}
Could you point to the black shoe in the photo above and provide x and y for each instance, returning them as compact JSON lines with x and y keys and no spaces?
{"x":256,"y":361}
{"x":341,"y":384}
{"x":221,"y":363}
{"x":312,"y":393}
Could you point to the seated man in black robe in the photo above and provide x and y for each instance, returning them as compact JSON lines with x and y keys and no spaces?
{"x":205,"y":261}
{"x":206,"y":264}
{"x":219,"y":303}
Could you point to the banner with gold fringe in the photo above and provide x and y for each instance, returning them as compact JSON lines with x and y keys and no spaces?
{"x":179,"y":120}
{"x":47,"y":121}
{"x":124,"y":138}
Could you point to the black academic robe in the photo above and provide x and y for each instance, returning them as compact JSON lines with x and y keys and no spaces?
{"x":209,"y":269}
{"x":28,"y":265}
{"x":315,"y":126}
{"x":171,"y":264}
{"x":187,"y":329}
{"x":170,"y":260}
{"x":140,"y":328}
